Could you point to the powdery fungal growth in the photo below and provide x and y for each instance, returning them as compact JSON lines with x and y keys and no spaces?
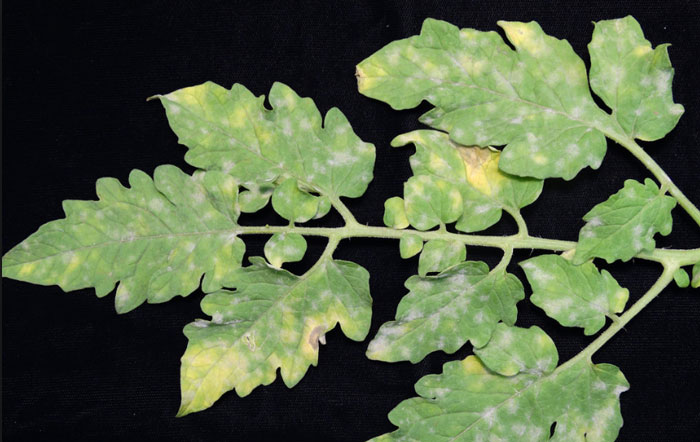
{"x":161,"y":236}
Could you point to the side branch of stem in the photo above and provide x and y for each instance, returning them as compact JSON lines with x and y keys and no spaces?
{"x":617,"y":325}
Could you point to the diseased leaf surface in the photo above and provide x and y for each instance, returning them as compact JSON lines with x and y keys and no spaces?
{"x":410,"y":245}
{"x":535,"y":100}
{"x":514,"y":350}
{"x":156,"y":238}
{"x":442,"y":312}
{"x":633,"y":79}
{"x":469,"y":401}
{"x":576,"y":296}
{"x":285,"y":247}
{"x":232,"y":131}
{"x":272,"y":320}
{"x":438,"y":255}
{"x":624,"y":225}
{"x":485,"y":190}
{"x":395,"y":213}
{"x":431,"y":201}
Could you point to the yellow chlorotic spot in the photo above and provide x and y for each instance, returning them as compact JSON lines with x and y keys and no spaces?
{"x":364,"y":82}
{"x":477,"y":67}
{"x":539,"y":159}
{"x":472,"y":365}
{"x":27,"y":268}
{"x":523,"y":36}
{"x":640,"y":51}
{"x":264,"y":136}
{"x":229,"y":186}
{"x":238,"y":118}
{"x":436,"y":162}
{"x":73,"y":264}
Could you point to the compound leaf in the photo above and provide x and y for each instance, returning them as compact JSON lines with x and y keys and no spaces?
{"x":624,"y":224}
{"x":633,"y":79}
{"x":442,"y":312}
{"x":470,"y":401}
{"x":231,"y":130}
{"x":473,"y":171}
{"x":438,"y":254}
{"x":535,"y":100}
{"x":157,"y":237}
{"x":576,"y":296}
{"x":273,"y":319}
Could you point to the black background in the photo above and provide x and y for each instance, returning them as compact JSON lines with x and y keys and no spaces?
{"x":75,"y":80}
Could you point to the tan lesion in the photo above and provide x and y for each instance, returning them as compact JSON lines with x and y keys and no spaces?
{"x":317,"y":335}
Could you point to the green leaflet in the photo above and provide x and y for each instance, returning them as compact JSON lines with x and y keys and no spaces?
{"x":232,"y":131}
{"x":695,"y":282}
{"x":624,"y":224}
{"x":255,"y":197}
{"x":395,"y":213}
{"x":633,"y":79}
{"x":576,"y":296}
{"x":535,"y":99}
{"x":485,"y":190}
{"x":431,"y":202}
{"x":285,"y":247}
{"x":410,"y":245}
{"x":470,"y":402}
{"x":292,"y":203}
{"x":681,"y":278}
{"x":442,"y":312}
{"x":273,"y":320}
{"x":157,"y":237}
{"x":513,"y":350}
{"x":438,"y":254}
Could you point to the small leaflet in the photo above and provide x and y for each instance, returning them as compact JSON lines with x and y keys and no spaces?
{"x":624,"y":225}
{"x":442,"y":312}
{"x":574,"y":295}
{"x":438,"y":255}
{"x":285,"y":247}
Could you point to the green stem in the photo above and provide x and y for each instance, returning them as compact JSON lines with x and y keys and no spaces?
{"x":519,"y":220}
{"x":660,"y":284}
{"x":666,"y":183}
{"x":507,"y":256}
{"x":343,"y":210}
{"x":667,"y":256}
